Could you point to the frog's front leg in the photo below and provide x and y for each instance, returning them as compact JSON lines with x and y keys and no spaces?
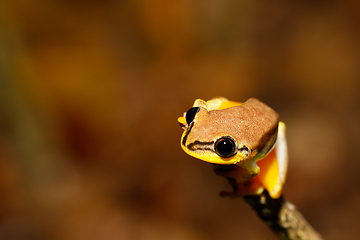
{"x":243,"y":182}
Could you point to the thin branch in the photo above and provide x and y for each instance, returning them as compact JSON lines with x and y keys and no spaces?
{"x":279,"y":214}
{"x":282,"y":217}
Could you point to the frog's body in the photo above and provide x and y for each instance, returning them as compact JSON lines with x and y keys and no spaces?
{"x":248,"y":135}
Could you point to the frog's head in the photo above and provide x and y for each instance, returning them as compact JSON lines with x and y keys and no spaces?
{"x":225,"y":132}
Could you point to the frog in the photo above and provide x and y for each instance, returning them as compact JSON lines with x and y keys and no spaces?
{"x":245,"y":141}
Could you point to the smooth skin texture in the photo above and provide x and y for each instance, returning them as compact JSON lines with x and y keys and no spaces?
{"x":248,"y":135}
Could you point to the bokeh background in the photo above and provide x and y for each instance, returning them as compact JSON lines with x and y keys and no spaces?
{"x":90,"y":92}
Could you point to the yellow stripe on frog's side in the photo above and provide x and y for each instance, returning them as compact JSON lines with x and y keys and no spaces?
{"x":269,"y":171}
{"x":273,"y":167}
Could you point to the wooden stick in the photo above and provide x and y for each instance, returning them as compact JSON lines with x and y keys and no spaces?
{"x":279,"y":214}
{"x":282,"y":217}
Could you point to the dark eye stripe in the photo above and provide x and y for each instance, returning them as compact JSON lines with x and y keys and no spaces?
{"x":197,"y":145}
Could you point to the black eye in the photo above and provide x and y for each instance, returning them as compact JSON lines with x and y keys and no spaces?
{"x":225,"y":147}
{"x":190,"y":114}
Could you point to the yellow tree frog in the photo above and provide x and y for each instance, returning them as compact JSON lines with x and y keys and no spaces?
{"x":248,"y":136}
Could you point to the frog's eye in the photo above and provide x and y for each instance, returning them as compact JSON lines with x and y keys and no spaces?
{"x":225,"y":147}
{"x":190,"y":114}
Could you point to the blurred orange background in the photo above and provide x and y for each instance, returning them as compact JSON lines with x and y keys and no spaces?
{"x":89,"y":96}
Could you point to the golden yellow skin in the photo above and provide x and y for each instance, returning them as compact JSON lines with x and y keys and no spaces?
{"x":261,"y":151}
